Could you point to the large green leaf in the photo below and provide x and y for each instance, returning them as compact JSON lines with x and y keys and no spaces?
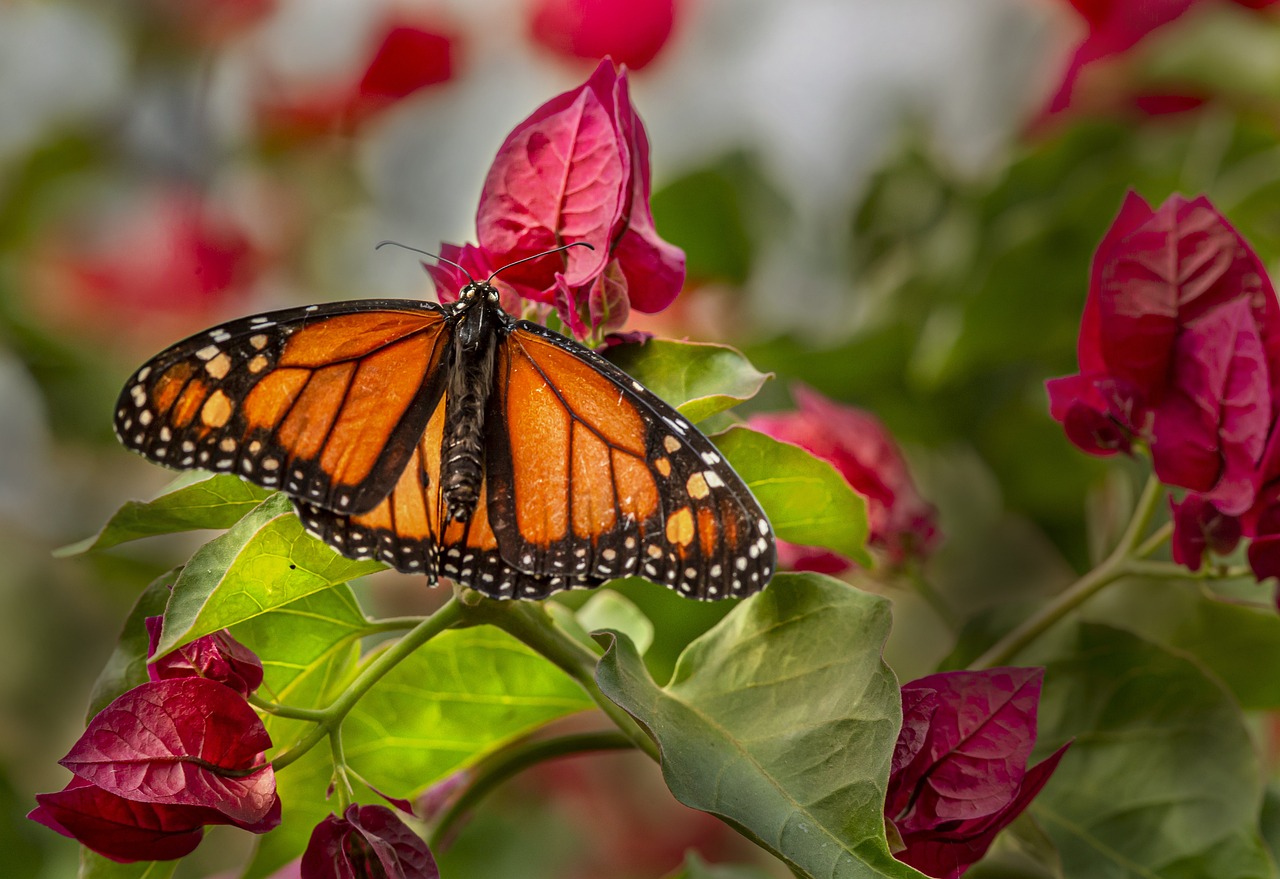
{"x":698,"y":378}
{"x":807,"y":500}
{"x":264,"y":561}
{"x":1162,"y":780}
{"x":215,"y":502}
{"x":454,"y":700}
{"x":1237,"y":642}
{"x":309,"y":650}
{"x":782,"y":720}
{"x":462,"y":695}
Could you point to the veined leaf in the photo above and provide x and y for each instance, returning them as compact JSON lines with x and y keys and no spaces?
{"x":213,"y":502}
{"x":698,"y":378}
{"x":807,"y":500}
{"x":1162,"y":779}
{"x":782,"y":720}
{"x":461,"y":696}
{"x":264,"y":561}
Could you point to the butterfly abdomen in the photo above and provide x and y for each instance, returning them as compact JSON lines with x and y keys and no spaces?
{"x":462,"y":449}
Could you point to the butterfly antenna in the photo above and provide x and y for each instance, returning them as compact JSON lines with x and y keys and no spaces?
{"x":537,"y":256}
{"x":435,"y":256}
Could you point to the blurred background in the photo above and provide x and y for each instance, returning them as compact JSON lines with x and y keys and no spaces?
{"x":893,"y":201}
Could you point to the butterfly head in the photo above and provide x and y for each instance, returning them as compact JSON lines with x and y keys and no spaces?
{"x":478,"y":291}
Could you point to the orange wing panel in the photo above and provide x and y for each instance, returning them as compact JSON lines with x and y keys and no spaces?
{"x":189,"y":403}
{"x":591,"y":396}
{"x":384,"y":386}
{"x":637,"y":492}
{"x":271,"y":397}
{"x":539,"y":430}
{"x":351,"y":336}
{"x":306,"y":427}
{"x":594,"y":512}
{"x":169,"y":386}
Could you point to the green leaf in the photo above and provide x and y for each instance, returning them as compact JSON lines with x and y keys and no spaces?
{"x":1162,"y":779}
{"x":95,"y":866}
{"x":782,"y":720}
{"x":807,"y":500}
{"x":309,"y":650}
{"x":460,"y":696}
{"x":609,"y":610}
{"x":127,"y":666}
{"x":264,"y":561}
{"x":216,"y":502}
{"x":698,"y":378}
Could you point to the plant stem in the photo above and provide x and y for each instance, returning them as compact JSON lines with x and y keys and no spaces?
{"x":511,"y":762}
{"x":330,"y":718}
{"x":1118,"y":564}
{"x":315,"y":715}
{"x":530,"y":624}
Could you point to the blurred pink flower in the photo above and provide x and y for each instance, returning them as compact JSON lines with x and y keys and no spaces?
{"x":903,"y":525}
{"x":166,"y":259}
{"x":407,"y":57}
{"x":1114,"y":28}
{"x":629,"y":32}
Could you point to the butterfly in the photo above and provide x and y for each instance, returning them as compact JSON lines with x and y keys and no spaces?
{"x":454,"y":440}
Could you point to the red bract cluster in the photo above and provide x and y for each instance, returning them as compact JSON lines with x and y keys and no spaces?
{"x":167,"y":251}
{"x":407,"y":57}
{"x":168,"y":758}
{"x":577,"y":170}
{"x":218,"y":657}
{"x":1115,"y":27}
{"x":959,"y":773}
{"x":367,"y":841}
{"x":1180,"y":350}
{"x":629,"y":32}
{"x":902,"y":524}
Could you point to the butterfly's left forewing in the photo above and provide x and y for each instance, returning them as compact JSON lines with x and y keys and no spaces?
{"x":324,"y":402}
{"x":592,"y":475}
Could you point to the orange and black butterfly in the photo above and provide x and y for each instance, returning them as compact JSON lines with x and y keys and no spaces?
{"x":453,"y":440}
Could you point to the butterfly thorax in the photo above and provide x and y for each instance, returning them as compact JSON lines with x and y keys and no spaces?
{"x":479,"y":323}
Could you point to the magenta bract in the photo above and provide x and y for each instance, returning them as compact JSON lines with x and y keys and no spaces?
{"x":188,"y":742}
{"x":367,"y":842}
{"x":902,"y":524}
{"x":576,"y":170}
{"x":157,"y":765}
{"x":217,"y":657}
{"x":1179,"y":348}
{"x":119,"y":829}
{"x":959,"y":772}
